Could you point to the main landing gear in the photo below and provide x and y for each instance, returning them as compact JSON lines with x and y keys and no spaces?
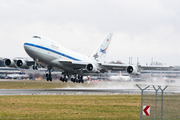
{"x":63,"y":79}
{"x":79,"y":80}
{"x":48,"y":76}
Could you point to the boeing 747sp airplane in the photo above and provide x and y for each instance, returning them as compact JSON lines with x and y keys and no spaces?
{"x":46,"y":52}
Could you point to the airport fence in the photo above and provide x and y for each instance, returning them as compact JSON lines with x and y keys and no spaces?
{"x":160,"y":108}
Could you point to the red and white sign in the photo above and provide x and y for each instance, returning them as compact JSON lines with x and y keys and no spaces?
{"x":146,"y":110}
{"x":95,"y":81}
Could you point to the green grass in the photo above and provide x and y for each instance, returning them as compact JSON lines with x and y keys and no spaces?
{"x":106,"y":107}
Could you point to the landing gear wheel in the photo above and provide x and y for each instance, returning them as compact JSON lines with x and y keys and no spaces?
{"x":35,"y":68}
{"x":74,"y":80}
{"x":47,"y":75}
{"x":64,"y":77}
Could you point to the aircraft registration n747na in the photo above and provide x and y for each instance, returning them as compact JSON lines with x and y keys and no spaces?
{"x":46,"y":52}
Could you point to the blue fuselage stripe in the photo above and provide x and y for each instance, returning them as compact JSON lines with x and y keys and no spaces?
{"x":59,"y":53}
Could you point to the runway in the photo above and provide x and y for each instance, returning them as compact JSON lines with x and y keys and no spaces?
{"x":75,"y":91}
{"x":65,"y":91}
{"x":78,"y":89}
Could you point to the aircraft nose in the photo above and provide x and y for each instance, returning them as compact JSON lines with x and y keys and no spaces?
{"x":28,"y":45}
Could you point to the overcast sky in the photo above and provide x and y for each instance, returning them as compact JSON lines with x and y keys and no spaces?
{"x":141,"y":28}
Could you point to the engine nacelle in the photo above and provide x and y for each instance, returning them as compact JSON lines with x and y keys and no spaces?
{"x":134,"y":70}
{"x":22,"y":64}
{"x":91,"y":68}
{"x":9,"y":63}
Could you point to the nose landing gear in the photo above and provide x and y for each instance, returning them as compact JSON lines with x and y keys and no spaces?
{"x":35,"y":67}
{"x":35,"y":64}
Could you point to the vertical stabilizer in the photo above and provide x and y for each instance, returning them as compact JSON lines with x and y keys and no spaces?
{"x":100,"y":53}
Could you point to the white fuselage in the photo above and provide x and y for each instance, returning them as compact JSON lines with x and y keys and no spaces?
{"x":51,"y":53}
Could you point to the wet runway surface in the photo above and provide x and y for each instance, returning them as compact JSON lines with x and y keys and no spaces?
{"x":64,"y":91}
{"x":74,"y":91}
{"x":100,"y":88}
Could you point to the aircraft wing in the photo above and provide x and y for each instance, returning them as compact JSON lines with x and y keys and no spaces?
{"x":131,"y":69}
{"x":124,"y":66}
{"x":104,"y":67}
{"x":107,"y":66}
{"x":80,"y":65}
{"x":114,"y":67}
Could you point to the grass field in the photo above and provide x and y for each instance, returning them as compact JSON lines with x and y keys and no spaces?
{"x":106,"y":107}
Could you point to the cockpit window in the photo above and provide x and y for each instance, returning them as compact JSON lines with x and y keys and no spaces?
{"x":36,"y":37}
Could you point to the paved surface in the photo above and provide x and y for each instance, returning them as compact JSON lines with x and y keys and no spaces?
{"x":64,"y":91}
{"x":74,"y":91}
{"x":100,"y":88}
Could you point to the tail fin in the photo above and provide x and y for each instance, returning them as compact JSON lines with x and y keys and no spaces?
{"x":100,"y":53}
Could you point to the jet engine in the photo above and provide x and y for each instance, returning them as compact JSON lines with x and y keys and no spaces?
{"x":22,"y":64}
{"x":134,"y":70}
{"x":9,"y":63}
{"x":91,"y":68}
